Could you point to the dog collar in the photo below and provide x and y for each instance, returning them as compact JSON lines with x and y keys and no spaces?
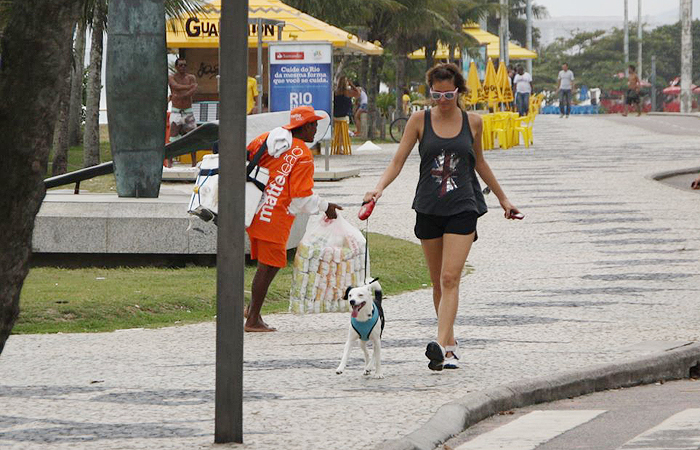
{"x":364,"y":329}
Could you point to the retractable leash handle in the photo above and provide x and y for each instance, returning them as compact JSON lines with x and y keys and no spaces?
{"x":366,"y":210}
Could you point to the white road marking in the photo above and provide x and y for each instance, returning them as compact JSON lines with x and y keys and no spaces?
{"x":680,"y":431}
{"x":531,"y":430}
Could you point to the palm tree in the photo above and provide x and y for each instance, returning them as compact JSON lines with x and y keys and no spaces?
{"x":36,"y":36}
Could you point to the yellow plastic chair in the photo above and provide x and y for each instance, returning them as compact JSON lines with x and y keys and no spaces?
{"x":340,"y":145}
{"x":522,"y":128}
{"x":499,"y":130}
{"x":486,"y":132}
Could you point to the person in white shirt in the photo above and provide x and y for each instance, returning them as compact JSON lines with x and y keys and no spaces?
{"x":566,"y":87}
{"x":523,"y":89}
{"x":361,"y":109}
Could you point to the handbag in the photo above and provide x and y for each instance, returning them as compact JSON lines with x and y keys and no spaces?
{"x":255,"y":184}
{"x":204,"y":202}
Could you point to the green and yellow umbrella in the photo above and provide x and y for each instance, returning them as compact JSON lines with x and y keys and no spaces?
{"x":490,"y":86}
{"x":475,"y":93}
{"x":505,"y":92}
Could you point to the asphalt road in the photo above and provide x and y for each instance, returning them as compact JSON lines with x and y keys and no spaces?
{"x":657,"y":416}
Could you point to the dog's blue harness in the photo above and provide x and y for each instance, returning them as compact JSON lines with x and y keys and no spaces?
{"x":364,"y":329}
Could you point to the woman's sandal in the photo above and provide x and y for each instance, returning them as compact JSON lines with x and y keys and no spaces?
{"x":436,"y":354}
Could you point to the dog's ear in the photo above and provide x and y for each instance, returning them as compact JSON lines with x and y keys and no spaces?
{"x":347,"y":292}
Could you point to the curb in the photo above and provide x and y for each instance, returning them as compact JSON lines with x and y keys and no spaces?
{"x":672,"y":173}
{"x":456,"y":416}
{"x":674,"y":114}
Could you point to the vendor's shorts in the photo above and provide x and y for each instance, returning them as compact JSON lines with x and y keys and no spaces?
{"x":429,"y":226}
{"x":632,"y":97}
{"x":269,"y":253}
{"x":363,"y":107}
{"x":184,"y":118}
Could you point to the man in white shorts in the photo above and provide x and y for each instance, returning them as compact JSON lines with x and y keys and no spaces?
{"x":182,"y":88}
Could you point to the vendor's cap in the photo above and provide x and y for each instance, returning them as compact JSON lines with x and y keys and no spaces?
{"x":301,"y":115}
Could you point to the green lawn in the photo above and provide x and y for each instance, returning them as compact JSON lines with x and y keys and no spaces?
{"x":96,"y":299}
{"x":104,"y":183}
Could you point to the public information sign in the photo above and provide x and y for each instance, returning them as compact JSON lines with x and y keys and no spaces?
{"x":300,"y":74}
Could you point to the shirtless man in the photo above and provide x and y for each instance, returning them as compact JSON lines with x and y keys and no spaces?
{"x":633,"y":91}
{"x":182,"y":87}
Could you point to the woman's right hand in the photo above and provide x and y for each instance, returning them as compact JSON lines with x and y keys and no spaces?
{"x":372,"y":195}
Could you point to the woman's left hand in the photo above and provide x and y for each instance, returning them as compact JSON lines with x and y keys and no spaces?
{"x":509,"y":210}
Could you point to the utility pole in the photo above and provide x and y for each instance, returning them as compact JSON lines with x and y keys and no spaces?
{"x":627,"y":39}
{"x":686,"y":55}
{"x":503,"y":33}
{"x":528,"y":33}
{"x":639,"y":39}
{"x":230,"y":257}
{"x":652,"y":79}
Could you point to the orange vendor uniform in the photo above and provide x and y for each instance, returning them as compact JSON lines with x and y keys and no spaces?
{"x":291,"y":176}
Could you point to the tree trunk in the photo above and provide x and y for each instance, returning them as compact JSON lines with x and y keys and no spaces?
{"x":34,"y":44}
{"x":60,"y":136}
{"x":364,"y":69}
{"x":400,"y":76}
{"x":91,"y":139}
{"x":76,"y":88}
{"x":377,"y":62}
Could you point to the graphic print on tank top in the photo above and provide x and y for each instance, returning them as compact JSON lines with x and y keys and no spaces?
{"x":444,"y":172}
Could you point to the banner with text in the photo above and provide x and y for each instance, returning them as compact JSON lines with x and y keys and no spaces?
{"x":300,"y":74}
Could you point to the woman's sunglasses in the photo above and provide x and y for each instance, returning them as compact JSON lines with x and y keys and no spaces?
{"x":435,"y":95}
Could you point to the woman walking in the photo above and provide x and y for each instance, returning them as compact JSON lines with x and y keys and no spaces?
{"x":448,"y":198}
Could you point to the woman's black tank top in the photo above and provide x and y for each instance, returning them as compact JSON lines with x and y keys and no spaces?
{"x":448,"y":184}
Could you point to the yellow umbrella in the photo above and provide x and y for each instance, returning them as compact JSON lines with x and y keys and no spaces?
{"x":476,"y":92}
{"x":490,"y":86}
{"x":505,"y":92}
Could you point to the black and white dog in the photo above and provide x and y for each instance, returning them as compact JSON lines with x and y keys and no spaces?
{"x":366,"y":323}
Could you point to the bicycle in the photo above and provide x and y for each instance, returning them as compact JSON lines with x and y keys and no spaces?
{"x":397,"y":128}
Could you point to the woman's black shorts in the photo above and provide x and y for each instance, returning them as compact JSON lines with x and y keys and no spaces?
{"x":429,"y":226}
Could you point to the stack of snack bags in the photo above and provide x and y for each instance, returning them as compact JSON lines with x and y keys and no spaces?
{"x":329,"y":258}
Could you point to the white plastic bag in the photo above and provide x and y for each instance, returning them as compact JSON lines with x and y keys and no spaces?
{"x":329,"y":258}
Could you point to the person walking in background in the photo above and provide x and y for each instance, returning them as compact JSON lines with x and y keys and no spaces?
{"x":632,"y":97}
{"x":523,"y":89}
{"x":406,"y":103}
{"x":361,"y":108}
{"x":448,"y":198}
{"x":289,"y":191}
{"x":565,"y":88}
{"x":252,"y":94}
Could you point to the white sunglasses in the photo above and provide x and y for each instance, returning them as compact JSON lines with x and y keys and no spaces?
{"x":449,"y":95}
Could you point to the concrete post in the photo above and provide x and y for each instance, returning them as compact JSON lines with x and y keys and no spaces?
{"x":652,"y":79}
{"x":686,"y":55}
{"x":626,"y":43}
{"x":228,"y":403}
{"x":639,"y":39}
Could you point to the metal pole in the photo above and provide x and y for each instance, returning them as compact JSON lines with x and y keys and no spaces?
{"x":228,"y":408}
{"x":259,"y":76}
{"x":686,"y":55}
{"x":653,"y":82}
{"x":528,"y":33}
{"x":639,"y":39}
{"x":626,"y":44}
